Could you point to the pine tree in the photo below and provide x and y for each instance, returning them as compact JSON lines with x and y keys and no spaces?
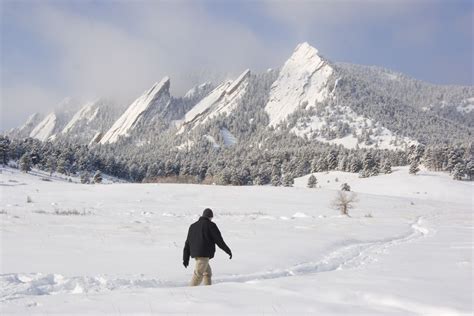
{"x":51,"y":164}
{"x":454,"y":157}
{"x":387,"y":167}
{"x":4,"y":148}
{"x":63,"y":165}
{"x":470,"y":169}
{"x":303,"y":167}
{"x":414,"y":167}
{"x":98,"y":177}
{"x":355,"y":165}
{"x":223,"y":177}
{"x":345,"y":187}
{"x":287,"y":180}
{"x":312,"y":182}
{"x":342,"y":164}
{"x":458,"y":171}
{"x":314,"y":165}
{"x":369,"y":164}
{"x":276,"y":179}
{"x":202,"y":172}
{"x":331,"y":161}
{"x":25,"y":163}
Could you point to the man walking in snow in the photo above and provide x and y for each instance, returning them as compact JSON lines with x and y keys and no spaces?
{"x":200,"y":244}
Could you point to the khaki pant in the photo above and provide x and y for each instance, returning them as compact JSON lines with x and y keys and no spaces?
{"x":202,"y":271}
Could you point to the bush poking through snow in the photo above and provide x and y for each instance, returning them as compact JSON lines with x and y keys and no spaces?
{"x":72,"y":212}
{"x":312,"y":182}
{"x":98,"y":177}
{"x":344,"y":202}
{"x":28,"y":199}
{"x":3,"y":212}
{"x":345,"y":187}
{"x":368,"y":215}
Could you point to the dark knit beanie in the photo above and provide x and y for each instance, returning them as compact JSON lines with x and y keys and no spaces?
{"x":208,"y":213}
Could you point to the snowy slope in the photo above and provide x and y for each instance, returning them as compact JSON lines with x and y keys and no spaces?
{"x":222,"y":100}
{"x":325,"y":127}
{"x":302,"y":82}
{"x":292,"y":253}
{"x":157,"y":96}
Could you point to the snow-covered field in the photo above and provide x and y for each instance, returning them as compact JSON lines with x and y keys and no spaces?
{"x":292,"y":253}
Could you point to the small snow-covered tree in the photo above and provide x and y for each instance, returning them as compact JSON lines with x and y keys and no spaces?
{"x":414,"y":167}
{"x":98,"y":177}
{"x":345,"y":187}
{"x":344,"y":201}
{"x":312,"y":181}
{"x":25,"y":163}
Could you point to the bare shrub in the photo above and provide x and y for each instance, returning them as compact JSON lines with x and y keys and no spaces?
{"x":3,"y":212}
{"x":344,"y":201}
{"x":72,"y":212}
{"x":28,"y":199}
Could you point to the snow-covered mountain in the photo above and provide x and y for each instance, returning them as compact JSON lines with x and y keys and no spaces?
{"x":25,"y":130}
{"x":199,"y":91}
{"x":309,"y":96}
{"x":54,"y":122}
{"x":91,"y":121}
{"x":154,"y":100}
{"x":303,"y":82}
{"x":222,"y":100}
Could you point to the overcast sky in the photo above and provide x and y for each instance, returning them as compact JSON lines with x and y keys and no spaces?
{"x":87,"y":49}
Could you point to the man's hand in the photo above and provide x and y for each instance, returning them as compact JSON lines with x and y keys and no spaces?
{"x":185,"y":264}
{"x":230,"y":256}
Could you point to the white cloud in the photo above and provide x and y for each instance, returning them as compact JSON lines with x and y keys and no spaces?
{"x":124,"y":55}
{"x":20,"y":101}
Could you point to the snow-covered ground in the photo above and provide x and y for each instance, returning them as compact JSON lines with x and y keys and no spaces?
{"x":292,"y":253}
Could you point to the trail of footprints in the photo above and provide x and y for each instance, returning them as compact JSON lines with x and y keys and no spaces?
{"x":354,"y":255}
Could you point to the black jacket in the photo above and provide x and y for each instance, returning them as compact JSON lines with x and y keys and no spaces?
{"x":202,"y":238}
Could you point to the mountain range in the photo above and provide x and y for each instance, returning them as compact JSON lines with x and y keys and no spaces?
{"x":309,"y":96}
